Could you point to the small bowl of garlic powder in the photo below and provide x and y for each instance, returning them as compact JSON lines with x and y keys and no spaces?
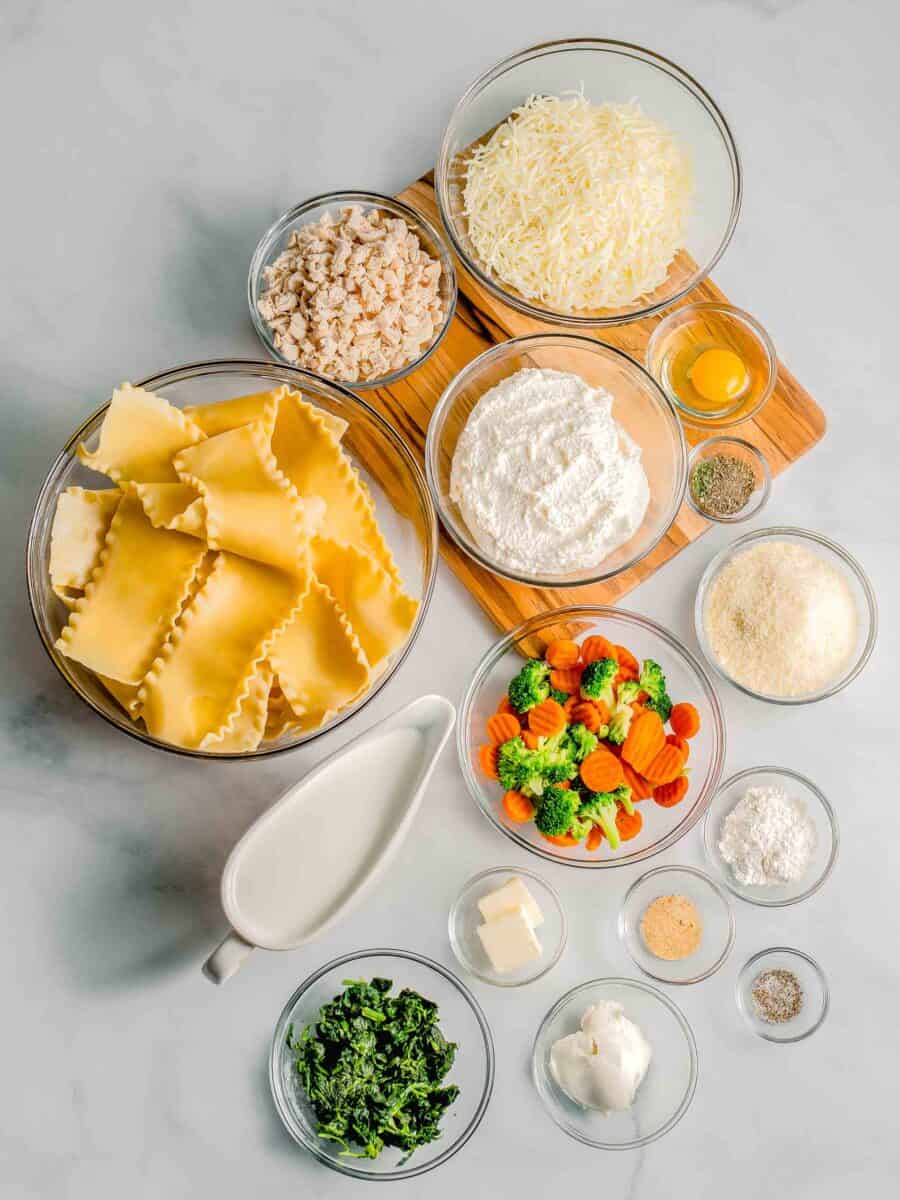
{"x":786,"y":615}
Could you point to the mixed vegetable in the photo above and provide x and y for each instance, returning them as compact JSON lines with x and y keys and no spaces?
{"x":580,"y":738}
{"x":373,"y":1067}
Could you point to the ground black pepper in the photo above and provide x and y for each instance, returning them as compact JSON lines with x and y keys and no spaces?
{"x":777,"y":995}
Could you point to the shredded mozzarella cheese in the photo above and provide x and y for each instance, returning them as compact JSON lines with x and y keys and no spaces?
{"x":577,"y":205}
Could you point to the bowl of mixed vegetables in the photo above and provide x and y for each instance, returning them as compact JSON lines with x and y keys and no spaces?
{"x":382,"y":1064}
{"x":591,"y":736}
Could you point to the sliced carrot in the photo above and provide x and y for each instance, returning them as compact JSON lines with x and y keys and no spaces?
{"x":562,"y":653}
{"x":546,"y":718}
{"x":596,"y":647}
{"x":590,"y":714}
{"x":641,"y":789}
{"x":506,"y":707}
{"x":530,"y":739}
{"x":626,"y":660}
{"x":601,"y":771}
{"x":682,"y":743}
{"x":566,"y":679}
{"x":625,"y":675}
{"x":646,"y":737}
{"x":570,"y":705}
{"x":667,"y":795}
{"x":518,"y":807}
{"x":667,"y":765}
{"x":594,"y":838}
{"x":628,"y":824}
{"x":685,"y":720}
{"x":501,"y":727}
{"x":560,"y":839}
{"x":564,"y":784}
{"x":487,"y":760}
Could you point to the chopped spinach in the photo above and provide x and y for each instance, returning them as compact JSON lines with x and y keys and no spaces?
{"x":372,"y":1066}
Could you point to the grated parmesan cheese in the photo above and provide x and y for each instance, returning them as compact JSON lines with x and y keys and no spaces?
{"x":781,"y":620}
{"x":577,"y":205}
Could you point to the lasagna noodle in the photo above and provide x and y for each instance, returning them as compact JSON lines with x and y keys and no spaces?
{"x":261,"y":406}
{"x":320,"y":664}
{"x":140,"y":435}
{"x":133,"y":597}
{"x":307,"y":452}
{"x":80,"y":525}
{"x":380,"y":613}
{"x":248,"y":726}
{"x":176,"y":506}
{"x":197,"y":686}
{"x":251,"y":507}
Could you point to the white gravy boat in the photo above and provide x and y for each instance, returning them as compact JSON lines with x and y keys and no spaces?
{"x":309,"y":858}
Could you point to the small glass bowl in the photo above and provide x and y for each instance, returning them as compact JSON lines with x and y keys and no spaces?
{"x":715,"y":914}
{"x":461,"y":1021}
{"x":687,"y":680}
{"x":690,"y":330}
{"x":841,"y":560}
{"x":812,"y":981}
{"x":818,"y":808}
{"x":465,"y":917}
{"x":604,"y":71}
{"x":395,"y":482}
{"x":755,"y":460}
{"x":638,"y":405}
{"x":275,"y":239}
{"x":667,"y":1089}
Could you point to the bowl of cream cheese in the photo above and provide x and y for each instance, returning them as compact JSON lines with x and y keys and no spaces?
{"x":615,"y":1064}
{"x":555,"y":460}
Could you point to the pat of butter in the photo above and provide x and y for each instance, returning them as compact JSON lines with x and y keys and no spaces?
{"x":510,"y":941}
{"x":512,"y":895}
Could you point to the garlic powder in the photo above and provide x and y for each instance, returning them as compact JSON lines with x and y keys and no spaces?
{"x":545,"y":478}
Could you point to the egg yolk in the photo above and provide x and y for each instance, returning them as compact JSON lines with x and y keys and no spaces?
{"x":718,"y":375}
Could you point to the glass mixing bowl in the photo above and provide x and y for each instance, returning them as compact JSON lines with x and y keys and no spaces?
{"x":687,"y":680}
{"x":606,"y":71}
{"x":398,"y":488}
{"x":666,"y":1092}
{"x":639,"y":405}
{"x":461,"y":1021}
{"x":275,"y":239}
{"x":837,"y":557}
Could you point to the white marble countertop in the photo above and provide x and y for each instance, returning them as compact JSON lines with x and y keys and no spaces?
{"x":145,"y":150}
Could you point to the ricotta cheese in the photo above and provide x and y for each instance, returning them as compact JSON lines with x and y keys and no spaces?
{"x":544,"y":477}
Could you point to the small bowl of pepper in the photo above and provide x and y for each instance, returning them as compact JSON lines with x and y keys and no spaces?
{"x":728,"y":480}
{"x":782,"y":994}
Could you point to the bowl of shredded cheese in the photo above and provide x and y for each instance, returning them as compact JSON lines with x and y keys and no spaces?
{"x":588,"y":182}
{"x":786,"y":615}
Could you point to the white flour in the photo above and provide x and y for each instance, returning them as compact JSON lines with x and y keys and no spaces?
{"x":545,"y":478}
{"x":768,"y":838}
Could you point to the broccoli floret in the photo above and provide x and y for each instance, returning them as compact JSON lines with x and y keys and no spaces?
{"x":622,"y":795}
{"x":530,"y":686}
{"x":556,"y":811}
{"x":530,"y":771}
{"x":558,"y":696}
{"x":653,"y":682}
{"x":581,"y":741}
{"x":580,"y":827}
{"x":597,"y":680}
{"x":601,"y":809}
{"x":620,"y":723}
{"x":627,"y":691}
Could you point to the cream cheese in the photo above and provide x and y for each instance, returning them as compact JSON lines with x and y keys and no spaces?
{"x":604,"y":1063}
{"x":546,"y":480}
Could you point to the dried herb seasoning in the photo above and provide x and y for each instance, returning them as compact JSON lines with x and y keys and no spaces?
{"x":722,"y":484}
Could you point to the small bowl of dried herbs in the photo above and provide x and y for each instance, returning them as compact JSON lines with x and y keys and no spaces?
{"x":728,"y":480}
{"x":382,"y":1064}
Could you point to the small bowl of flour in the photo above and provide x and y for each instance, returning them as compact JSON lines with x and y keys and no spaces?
{"x":771,"y":836}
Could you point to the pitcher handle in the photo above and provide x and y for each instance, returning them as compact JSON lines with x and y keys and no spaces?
{"x":227,"y":958}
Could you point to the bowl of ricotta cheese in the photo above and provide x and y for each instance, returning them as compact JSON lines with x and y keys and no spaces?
{"x":556,"y":460}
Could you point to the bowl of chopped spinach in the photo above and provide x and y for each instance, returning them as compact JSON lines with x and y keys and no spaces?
{"x":382,"y":1064}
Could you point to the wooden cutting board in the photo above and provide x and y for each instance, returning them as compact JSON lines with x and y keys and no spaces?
{"x":788,"y":425}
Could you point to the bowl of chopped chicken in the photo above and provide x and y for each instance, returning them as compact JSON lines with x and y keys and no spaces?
{"x":352,"y":286}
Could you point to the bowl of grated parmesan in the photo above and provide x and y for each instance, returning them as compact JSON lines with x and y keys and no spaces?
{"x":588,"y":182}
{"x":786,"y":615}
